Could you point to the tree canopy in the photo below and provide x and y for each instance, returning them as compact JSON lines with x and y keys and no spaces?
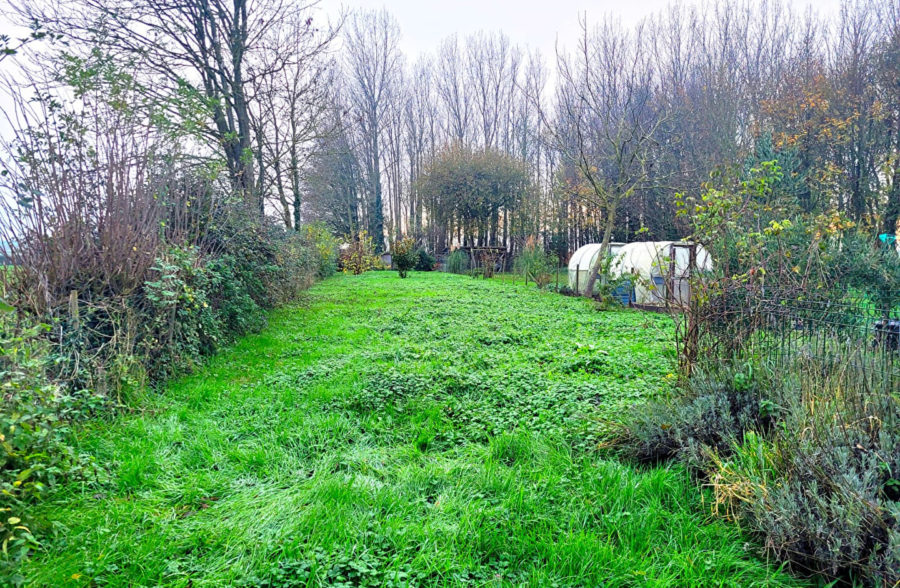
{"x":467,"y":189}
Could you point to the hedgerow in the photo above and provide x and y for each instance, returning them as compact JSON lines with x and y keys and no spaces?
{"x":128,"y":263}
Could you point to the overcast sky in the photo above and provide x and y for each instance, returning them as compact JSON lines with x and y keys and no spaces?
{"x":535,"y":23}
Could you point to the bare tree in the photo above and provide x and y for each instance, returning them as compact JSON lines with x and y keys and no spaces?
{"x":493,"y":68}
{"x":334,"y":178}
{"x":195,"y":55}
{"x":290,"y":107}
{"x":421,"y":119}
{"x":373,"y":61}
{"x":607,"y":119}
{"x":451,"y":87}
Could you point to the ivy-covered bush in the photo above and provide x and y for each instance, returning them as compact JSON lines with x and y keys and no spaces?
{"x":425,"y":261}
{"x":193,"y":303}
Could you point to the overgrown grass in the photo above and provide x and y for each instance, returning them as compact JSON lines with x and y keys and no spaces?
{"x":436,"y":431}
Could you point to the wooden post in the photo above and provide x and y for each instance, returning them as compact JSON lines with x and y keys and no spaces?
{"x":577,"y":277}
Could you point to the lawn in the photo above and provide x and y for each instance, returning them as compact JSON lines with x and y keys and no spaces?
{"x":434,"y":431}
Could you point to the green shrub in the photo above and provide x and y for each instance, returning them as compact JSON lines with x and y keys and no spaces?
{"x":318,"y":237}
{"x":191,"y":306}
{"x":534,"y":264}
{"x":34,"y":452}
{"x":425,"y":261}
{"x":714,"y":411}
{"x":295,"y":265}
{"x":457,"y":262}
{"x":825,"y":503}
{"x":608,"y":285}
{"x":404,"y":256}
{"x":359,"y":256}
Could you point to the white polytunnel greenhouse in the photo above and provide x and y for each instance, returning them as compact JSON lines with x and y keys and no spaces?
{"x":583,"y":260}
{"x":660,"y":269}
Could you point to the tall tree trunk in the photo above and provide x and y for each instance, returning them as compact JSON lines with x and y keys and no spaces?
{"x":604,"y":250}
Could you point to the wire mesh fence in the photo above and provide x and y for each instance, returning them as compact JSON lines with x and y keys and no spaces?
{"x":782,"y":328}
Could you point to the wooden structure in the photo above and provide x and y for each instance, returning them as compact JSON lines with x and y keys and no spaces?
{"x":485,"y":261}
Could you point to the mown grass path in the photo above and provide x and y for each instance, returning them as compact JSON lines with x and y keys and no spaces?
{"x":433,"y":431}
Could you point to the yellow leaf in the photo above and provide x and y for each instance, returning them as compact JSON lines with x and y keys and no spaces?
{"x":14,"y":520}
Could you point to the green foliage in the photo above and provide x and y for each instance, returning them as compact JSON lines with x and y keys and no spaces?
{"x":869,"y":268}
{"x":325,"y":245}
{"x":534,"y":264}
{"x":425,"y":261}
{"x":359,"y":256}
{"x":178,"y":325}
{"x":728,"y":215}
{"x":609,"y":286}
{"x":35,"y":453}
{"x":191,"y":306}
{"x":791,"y":188}
{"x":457,"y":262}
{"x":404,"y":255}
{"x":755,"y":236}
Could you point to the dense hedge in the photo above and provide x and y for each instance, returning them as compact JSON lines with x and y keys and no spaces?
{"x":86,"y":357}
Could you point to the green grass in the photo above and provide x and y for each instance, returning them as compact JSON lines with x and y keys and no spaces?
{"x":436,"y":431}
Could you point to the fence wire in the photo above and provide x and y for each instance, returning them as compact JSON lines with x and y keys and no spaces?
{"x":780,"y":328}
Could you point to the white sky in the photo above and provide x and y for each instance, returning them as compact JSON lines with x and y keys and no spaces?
{"x":536,"y":24}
